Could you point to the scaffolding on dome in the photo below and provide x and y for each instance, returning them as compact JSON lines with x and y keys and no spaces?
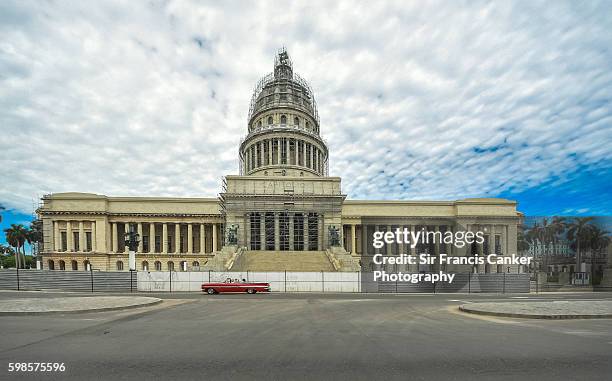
{"x":301,"y":95}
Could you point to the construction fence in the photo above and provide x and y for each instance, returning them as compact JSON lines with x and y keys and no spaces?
{"x":160,"y":281}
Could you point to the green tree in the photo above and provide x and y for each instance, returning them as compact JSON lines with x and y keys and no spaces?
{"x":17,"y":235}
{"x":577,"y":231}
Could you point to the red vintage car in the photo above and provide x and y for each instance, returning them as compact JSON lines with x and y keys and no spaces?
{"x":235,"y":286}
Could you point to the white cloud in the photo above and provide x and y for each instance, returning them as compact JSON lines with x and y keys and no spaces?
{"x":425,"y":100}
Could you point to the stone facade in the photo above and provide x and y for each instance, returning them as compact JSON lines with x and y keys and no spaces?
{"x":283,"y":200}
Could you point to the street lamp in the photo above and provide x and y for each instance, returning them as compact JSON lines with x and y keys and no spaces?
{"x":132,"y":240}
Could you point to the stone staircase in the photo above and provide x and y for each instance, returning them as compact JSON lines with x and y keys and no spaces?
{"x":283,"y":261}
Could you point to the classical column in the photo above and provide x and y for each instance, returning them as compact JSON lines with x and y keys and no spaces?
{"x":164,"y":248}
{"x":56,"y":236}
{"x":278,"y":151}
{"x":269,"y":151}
{"x":202,"y":240}
{"x":189,"y":238}
{"x":126,"y":229}
{"x":310,"y":156}
{"x":69,"y":237}
{"x":214,"y":237}
{"x":247,"y":160}
{"x":402,"y":246}
{"x":287,"y":153}
{"x":177,"y":237}
{"x":93,"y":236}
{"x":303,"y":153}
{"x":151,"y":237}
{"x":491,"y":240}
{"x":296,"y":150}
{"x":81,"y":237}
{"x":353,"y":239}
{"x":114,"y":237}
{"x":139,"y":231}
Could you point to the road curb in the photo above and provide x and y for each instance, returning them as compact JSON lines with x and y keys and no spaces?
{"x":466,"y":309}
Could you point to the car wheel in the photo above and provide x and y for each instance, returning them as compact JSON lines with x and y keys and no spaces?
{"x":250,"y":291}
{"x":210,"y":291}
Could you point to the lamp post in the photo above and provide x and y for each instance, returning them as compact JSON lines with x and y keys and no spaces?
{"x":132,"y":239}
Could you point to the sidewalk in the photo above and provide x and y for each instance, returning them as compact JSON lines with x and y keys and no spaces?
{"x":36,"y":306}
{"x":544,"y":310}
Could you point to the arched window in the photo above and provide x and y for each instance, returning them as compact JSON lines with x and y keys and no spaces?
{"x":86,"y":266}
{"x":259,"y":124}
{"x":283,"y":119}
{"x":195,"y":264}
{"x":270,"y":120}
{"x":307,"y":125}
{"x":170,"y":266}
{"x":157,"y":266}
{"x":296,"y":121}
{"x":119,"y":266}
{"x":62,"y":265}
{"x":74,"y":265}
{"x":145,"y":266}
{"x":51,"y":265}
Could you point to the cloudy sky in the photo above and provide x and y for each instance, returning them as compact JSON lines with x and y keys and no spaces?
{"x":418,"y":100}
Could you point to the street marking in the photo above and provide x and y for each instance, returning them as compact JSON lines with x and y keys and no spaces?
{"x":519,"y":297}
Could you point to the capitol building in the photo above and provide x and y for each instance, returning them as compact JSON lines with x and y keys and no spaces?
{"x":282,"y":212}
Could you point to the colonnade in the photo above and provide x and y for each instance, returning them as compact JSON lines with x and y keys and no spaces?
{"x":155,"y":237}
{"x":168,"y":237}
{"x":284,"y":151}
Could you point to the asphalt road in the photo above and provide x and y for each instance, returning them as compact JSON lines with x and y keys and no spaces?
{"x":309,"y":336}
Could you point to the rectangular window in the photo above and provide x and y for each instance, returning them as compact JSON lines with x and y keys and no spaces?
{"x":88,"y":241}
{"x":485,"y":245}
{"x":145,"y":243}
{"x":313,"y":231}
{"x":498,"y":250}
{"x":283,"y":221}
{"x":75,"y":239}
{"x":269,"y":221}
{"x":298,"y":232}
{"x":64,"y":241}
{"x":255,"y":220}
{"x":158,"y":244}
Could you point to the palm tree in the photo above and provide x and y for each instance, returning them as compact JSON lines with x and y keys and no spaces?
{"x":35,"y":235}
{"x":17,"y":236}
{"x":577,"y":231}
{"x":558,"y":227}
{"x":598,"y":240}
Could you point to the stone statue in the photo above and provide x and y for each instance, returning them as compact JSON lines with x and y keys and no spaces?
{"x":334,"y":236}
{"x":232,"y":234}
